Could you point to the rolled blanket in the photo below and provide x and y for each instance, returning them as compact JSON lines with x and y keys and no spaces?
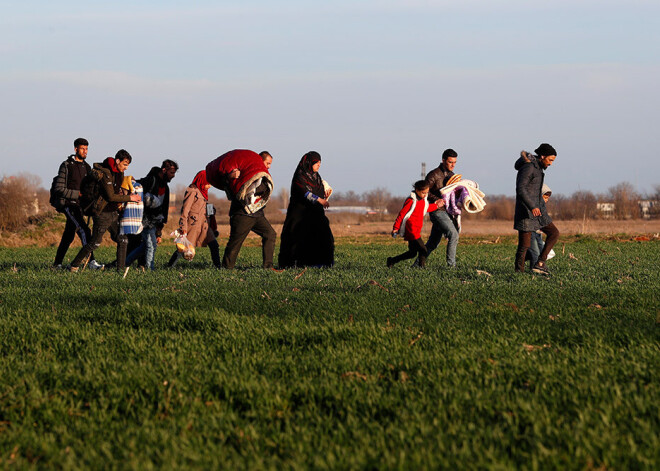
{"x":464,"y":194}
{"x":254,"y":175}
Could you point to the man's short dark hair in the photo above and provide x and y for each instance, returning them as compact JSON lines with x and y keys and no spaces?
{"x":265,"y":154}
{"x":168,"y":164}
{"x":122,"y":155}
{"x":81,"y":141}
{"x":449,"y":153}
{"x":422,"y":185}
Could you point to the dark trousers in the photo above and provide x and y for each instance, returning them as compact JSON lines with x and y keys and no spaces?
{"x":75,"y":224}
{"x":415,"y":248}
{"x":107,"y":221}
{"x":240,"y":226}
{"x":525,"y":241}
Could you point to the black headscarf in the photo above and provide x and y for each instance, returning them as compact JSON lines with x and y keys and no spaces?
{"x":305,"y":178}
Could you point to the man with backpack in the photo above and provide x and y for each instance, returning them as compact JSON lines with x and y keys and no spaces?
{"x":101,"y":196}
{"x":64,"y":197}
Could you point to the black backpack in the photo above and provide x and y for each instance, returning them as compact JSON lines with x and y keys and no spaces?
{"x":90,"y":192}
{"x":55,"y":200}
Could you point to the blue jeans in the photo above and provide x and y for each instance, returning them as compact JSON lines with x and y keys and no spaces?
{"x":147,"y":246}
{"x":443,"y":226}
{"x":535,"y":247}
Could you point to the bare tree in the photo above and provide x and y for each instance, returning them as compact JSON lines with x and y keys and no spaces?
{"x":580,"y":205}
{"x":347,"y":198}
{"x":19,"y":199}
{"x":625,"y":200}
{"x":378,"y":198}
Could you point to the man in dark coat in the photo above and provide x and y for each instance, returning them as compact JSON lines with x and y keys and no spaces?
{"x":531,"y":214}
{"x":110,"y":175}
{"x":241,"y":223}
{"x":156,"y":193}
{"x":443,"y":224}
{"x":66,"y":188}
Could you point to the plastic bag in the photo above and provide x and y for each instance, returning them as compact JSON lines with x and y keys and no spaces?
{"x":183,"y":245}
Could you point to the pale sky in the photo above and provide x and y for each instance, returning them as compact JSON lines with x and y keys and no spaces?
{"x":376,"y":87}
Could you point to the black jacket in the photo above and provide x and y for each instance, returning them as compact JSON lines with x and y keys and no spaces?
{"x":437,"y":178}
{"x":111,"y":197}
{"x":156,"y":216}
{"x":529,"y":183}
{"x":67,"y":182}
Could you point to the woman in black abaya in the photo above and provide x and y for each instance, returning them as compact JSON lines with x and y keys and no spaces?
{"x":306,"y":236}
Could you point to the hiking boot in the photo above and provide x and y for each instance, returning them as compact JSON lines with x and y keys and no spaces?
{"x":390,"y":262}
{"x":541,"y":269}
{"x":94,"y":265}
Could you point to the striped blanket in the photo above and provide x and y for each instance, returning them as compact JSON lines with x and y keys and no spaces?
{"x":130,"y":221}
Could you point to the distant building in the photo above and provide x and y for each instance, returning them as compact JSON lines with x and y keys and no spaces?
{"x":605,"y":210}
{"x":649,"y":208}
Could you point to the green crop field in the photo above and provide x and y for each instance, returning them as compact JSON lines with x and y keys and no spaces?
{"x":354,"y":367}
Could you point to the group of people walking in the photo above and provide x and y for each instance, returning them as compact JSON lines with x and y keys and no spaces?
{"x":531,"y":215}
{"x":135,"y":212}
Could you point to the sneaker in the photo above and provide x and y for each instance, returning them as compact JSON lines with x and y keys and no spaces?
{"x":57,"y":267}
{"x":390,"y":262}
{"x":74,"y":269}
{"x":541,"y":269}
{"x":94,"y":265}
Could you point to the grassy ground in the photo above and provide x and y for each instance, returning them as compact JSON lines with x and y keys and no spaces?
{"x":354,"y":367}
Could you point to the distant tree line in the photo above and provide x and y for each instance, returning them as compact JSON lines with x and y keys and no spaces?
{"x":22,"y":197}
{"x":622,"y":198}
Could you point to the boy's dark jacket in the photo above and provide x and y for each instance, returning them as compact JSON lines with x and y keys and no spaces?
{"x":110,"y":180}
{"x":66,"y":185}
{"x":151,"y":184}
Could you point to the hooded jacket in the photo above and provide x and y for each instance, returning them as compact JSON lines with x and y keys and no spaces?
{"x":111,"y":181}
{"x":529,"y":184}
{"x":411,"y":217}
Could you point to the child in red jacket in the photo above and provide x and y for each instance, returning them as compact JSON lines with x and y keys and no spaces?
{"x":409,"y":223}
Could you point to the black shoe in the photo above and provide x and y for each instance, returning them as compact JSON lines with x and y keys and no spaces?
{"x":541,"y":268}
{"x":390,"y":262}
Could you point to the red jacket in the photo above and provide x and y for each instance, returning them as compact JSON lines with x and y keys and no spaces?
{"x":412,"y":216}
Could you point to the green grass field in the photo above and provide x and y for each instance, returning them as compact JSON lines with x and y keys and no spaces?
{"x":354,"y":367}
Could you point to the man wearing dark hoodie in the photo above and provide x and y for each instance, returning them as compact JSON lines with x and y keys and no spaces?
{"x":110,"y":176}
{"x":531,"y":214}
{"x":66,"y":190}
{"x":156,"y":207}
